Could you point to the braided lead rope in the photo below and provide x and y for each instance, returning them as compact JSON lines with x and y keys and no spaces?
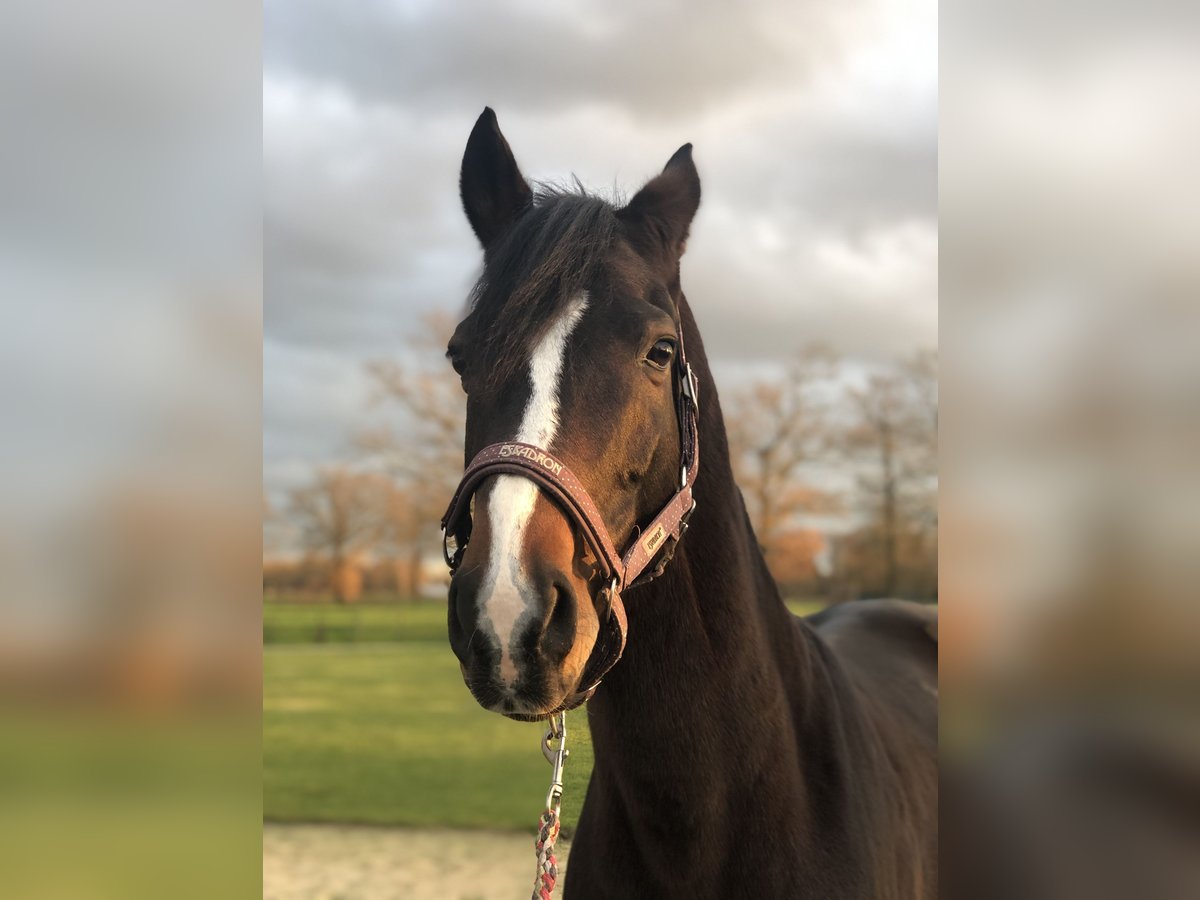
{"x":548,"y":825}
{"x":547,"y":862}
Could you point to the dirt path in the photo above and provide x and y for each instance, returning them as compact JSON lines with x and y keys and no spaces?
{"x":347,"y":862}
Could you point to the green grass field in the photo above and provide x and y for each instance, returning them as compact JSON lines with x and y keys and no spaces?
{"x":386,"y":733}
{"x":325,"y":623}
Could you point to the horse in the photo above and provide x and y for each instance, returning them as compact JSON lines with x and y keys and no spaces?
{"x":740,"y":751}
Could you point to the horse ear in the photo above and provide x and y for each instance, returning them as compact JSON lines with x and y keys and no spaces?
{"x":494,"y":192}
{"x":664,"y":208}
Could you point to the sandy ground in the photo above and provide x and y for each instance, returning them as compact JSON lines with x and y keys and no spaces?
{"x":346,"y":862}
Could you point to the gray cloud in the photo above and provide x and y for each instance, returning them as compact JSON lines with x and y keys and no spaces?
{"x":815,"y":133}
{"x":651,"y":58}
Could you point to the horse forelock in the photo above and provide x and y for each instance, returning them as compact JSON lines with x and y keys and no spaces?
{"x":549,"y":256}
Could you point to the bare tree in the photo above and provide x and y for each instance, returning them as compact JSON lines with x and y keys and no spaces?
{"x":894,"y":435}
{"x":921,"y":372}
{"x":339,"y":518}
{"x":406,"y":532}
{"x":775,"y":429}
{"x":422,"y":450}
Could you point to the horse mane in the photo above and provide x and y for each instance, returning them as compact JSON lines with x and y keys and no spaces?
{"x":548,"y":256}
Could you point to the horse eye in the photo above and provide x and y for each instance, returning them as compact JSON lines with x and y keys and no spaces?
{"x":453,"y":354}
{"x":661,"y":353}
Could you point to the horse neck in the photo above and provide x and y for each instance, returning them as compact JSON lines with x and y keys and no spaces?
{"x":707,"y":637}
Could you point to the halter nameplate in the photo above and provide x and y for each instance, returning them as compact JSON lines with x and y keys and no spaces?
{"x":555,"y":478}
{"x":533,"y":454}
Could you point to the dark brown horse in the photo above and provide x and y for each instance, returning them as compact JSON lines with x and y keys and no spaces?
{"x":740,"y":751}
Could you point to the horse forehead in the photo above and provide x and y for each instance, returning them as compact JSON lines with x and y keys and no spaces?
{"x":637,"y":285}
{"x":572,"y":362}
{"x":547,"y":367}
{"x":625,"y":264}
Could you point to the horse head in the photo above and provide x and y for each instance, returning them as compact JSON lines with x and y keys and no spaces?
{"x":570,"y":356}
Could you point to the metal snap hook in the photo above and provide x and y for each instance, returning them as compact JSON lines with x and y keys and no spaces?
{"x":556,"y":756}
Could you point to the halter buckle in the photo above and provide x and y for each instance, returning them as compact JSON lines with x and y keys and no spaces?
{"x":450,"y":548}
{"x":683,"y":520}
{"x":688,"y":388}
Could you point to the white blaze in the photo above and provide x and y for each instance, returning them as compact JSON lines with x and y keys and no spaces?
{"x":511,"y":502}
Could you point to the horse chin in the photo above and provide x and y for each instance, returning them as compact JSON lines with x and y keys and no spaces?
{"x":529,"y":712}
{"x":536,"y":715}
{"x":526,"y":717}
{"x":489,"y":695}
{"x":525,"y":713}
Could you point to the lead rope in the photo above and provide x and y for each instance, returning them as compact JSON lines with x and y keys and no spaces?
{"x":548,"y":825}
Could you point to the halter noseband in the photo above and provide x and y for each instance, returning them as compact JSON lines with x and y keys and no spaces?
{"x":621,"y":571}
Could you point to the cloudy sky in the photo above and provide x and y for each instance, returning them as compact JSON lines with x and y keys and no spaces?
{"x":815,"y":132}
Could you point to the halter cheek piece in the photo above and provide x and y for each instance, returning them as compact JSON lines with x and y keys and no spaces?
{"x":621,"y":571}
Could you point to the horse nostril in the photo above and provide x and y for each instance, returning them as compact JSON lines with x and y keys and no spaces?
{"x":454,"y":625}
{"x":460,"y":615}
{"x":559,"y":633}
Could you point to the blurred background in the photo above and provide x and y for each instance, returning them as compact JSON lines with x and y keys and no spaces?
{"x":130,"y":327}
{"x":144,"y":478}
{"x":811,"y":267}
{"x":1070,"y":494}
